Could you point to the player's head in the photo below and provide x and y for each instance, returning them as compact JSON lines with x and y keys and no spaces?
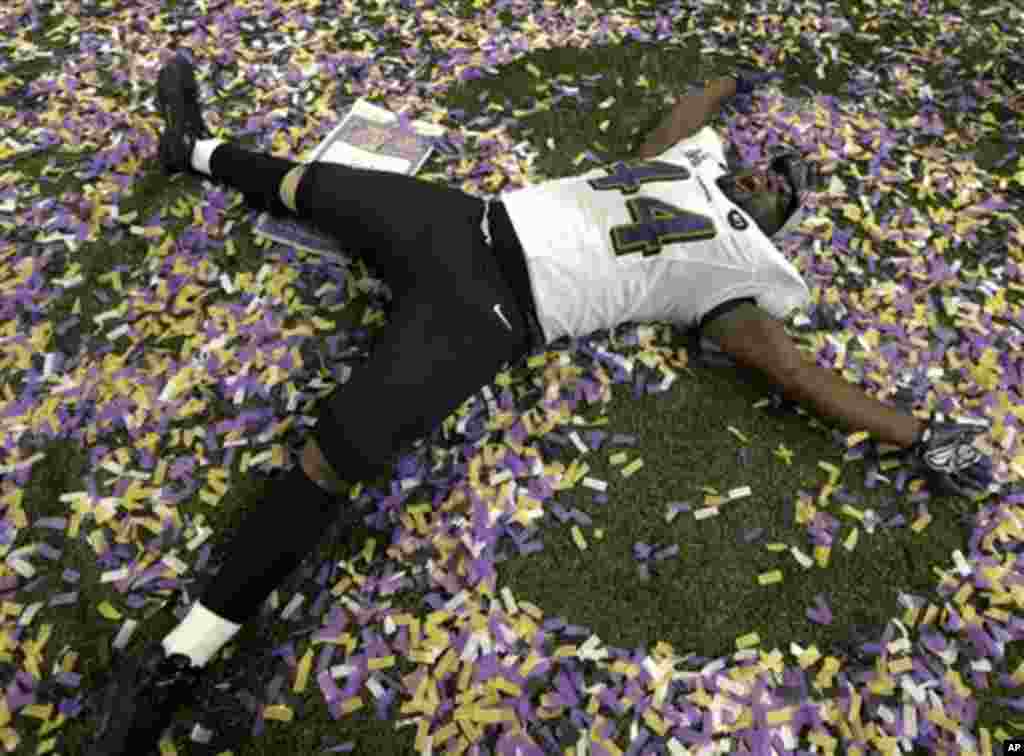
{"x":765,"y":194}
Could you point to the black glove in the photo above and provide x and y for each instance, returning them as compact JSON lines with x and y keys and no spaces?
{"x":948,"y":460}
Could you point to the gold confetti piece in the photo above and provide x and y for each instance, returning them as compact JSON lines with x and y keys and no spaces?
{"x":167,"y":748}
{"x":921,"y":523}
{"x":38,"y":711}
{"x":632,"y":467}
{"x":598,"y":534}
{"x":780,"y":716}
{"x":655,"y":722}
{"x":739,"y":434}
{"x":827,"y":673}
{"x":108,"y":611}
{"x":833,"y":471}
{"x":821,"y":555}
{"x":302,"y":675}
{"x":785,"y":454}
{"x":383,"y":662}
{"x":278,"y":713}
{"x":856,"y":438}
{"x":851,"y":540}
{"x":767,"y":578}
{"x":853,"y":512}
{"x":776,"y":547}
{"x":577,"y":536}
{"x":747,"y":641}
{"x":899,"y":666}
{"x":618,"y":458}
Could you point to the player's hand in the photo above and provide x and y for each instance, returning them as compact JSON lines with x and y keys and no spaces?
{"x":951,"y":464}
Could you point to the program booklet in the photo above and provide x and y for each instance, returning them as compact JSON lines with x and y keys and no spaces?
{"x":368,"y":136}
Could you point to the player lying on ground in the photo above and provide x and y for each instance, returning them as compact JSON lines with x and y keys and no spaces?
{"x":672,"y":236}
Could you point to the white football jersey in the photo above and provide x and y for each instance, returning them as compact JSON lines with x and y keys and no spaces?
{"x":653,"y":241}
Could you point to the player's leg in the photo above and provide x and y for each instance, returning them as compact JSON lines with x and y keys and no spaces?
{"x":440,"y":347}
{"x":381,"y":216}
{"x":449,"y":337}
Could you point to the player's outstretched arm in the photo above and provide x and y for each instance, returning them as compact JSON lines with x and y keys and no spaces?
{"x":757,"y":340}
{"x":688,"y":116}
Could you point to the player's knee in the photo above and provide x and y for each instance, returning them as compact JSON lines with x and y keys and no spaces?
{"x":315,"y":465}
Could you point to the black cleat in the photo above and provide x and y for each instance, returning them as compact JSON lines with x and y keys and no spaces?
{"x":140,"y":700}
{"x":178,"y":97}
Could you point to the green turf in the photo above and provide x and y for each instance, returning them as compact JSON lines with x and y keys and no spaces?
{"x":700,"y":600}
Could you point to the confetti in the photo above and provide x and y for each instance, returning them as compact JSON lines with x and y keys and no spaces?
{"x":632,"y":467}
{"x":739,"y":434}
{"x":877,"y":265}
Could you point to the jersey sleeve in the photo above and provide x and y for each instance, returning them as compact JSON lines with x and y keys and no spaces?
{"x":706,"y":140}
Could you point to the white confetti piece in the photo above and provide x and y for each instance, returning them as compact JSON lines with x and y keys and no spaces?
{"x":595,"y":484}
{"x":199,"y":539}
{"x":112,"y":576}
{"x":29,"y":613}
{"x":293,"y":605}
{"x":740,"y":493}
{"x":175,"y":564}
{"x":124,"y":635}
{"x":341,"y":670}
{"x":962,"y":567}
{"x":510,"y":602}
{"x":22,"y":567}
{"x":578,"y":442}
{"x":899,"y":646}
{"x":705,"y":513}
{"x":805,"y":561}
{"x":455,"y":601}
{"x":200,"y":734}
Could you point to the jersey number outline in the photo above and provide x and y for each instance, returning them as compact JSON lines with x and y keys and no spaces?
{"x":655,"y":223}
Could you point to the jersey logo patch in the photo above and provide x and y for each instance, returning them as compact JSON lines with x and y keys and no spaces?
{"x":737,"y":221}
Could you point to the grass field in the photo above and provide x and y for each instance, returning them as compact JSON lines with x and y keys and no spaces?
{"x":87,"y":220}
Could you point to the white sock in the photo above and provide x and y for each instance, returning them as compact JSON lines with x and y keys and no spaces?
{"x":200,"y":635}
{"x":202,"y":153}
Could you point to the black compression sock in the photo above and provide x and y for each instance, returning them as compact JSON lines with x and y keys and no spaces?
{"x":272,"y":541}
{"x":256,"y":175}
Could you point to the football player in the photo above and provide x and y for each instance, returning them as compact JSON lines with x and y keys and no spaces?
{"x":672,"y":235}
